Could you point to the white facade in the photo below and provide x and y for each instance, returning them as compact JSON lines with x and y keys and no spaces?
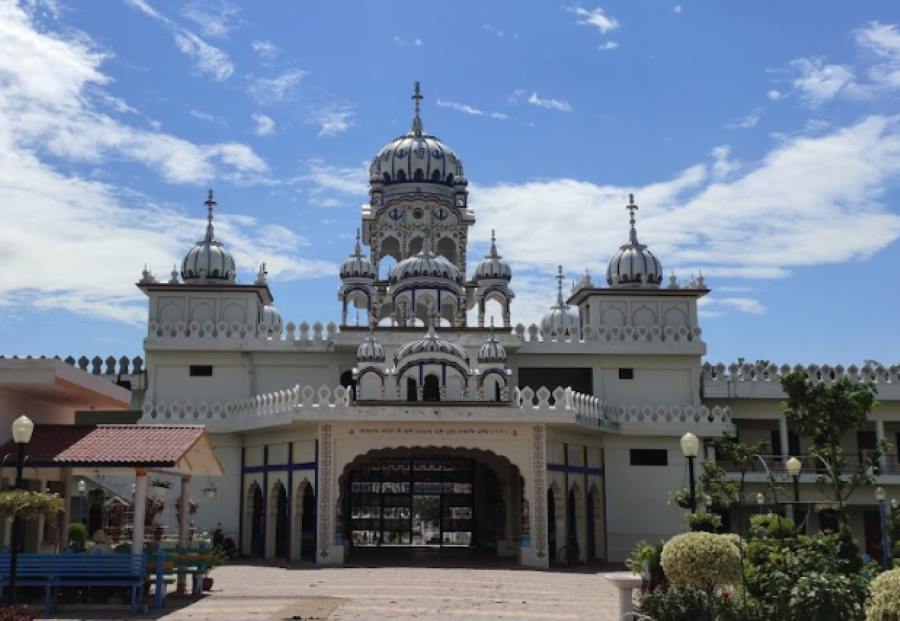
{"x":589,"y":406}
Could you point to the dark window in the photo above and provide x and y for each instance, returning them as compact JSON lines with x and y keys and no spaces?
{"x":579,"y":379}
{"x":412,"y":392}
{"x":201,"y":370}
{"x":401,"y":175}
{"x":649,"y":457}
{"x":626,"y":374}
{"x":431,"y":389}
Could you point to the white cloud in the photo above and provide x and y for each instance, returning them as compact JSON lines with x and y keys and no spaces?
{"x":344,"y":180}
{"x":215,"y":18}
{"x":774,"y":94}
{"x":763,"y":220}
{"x":417,"y":42}
{"x":203,"y":116}
{"x":748,"y":121}
{"x":333,"y":120}
{"x":466,"y":108}
{"x":552,"y":104}
{"x":266,"y":50}
{"x":595,"y":18}
{"x":207,"y":58}
{"x":265,"y":126}
{"x":883,"y":42}
{"x":723,"y":165}
{"x":100,"y":233}
{"x":493,"y":30}
{"x":817,"y":82}
{"x":281,"y":87}
{"x":677,"y":8}
{"x":608,"y":45}
{"x":746,"y":305}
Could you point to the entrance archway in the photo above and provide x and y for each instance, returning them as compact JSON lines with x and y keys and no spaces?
{"x":277,"y":531}
{"x":551,"y":526}
{"x":256,"y":510}
{"x":434,"y":498}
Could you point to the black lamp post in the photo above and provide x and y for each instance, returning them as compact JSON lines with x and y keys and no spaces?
{"x":22,"y":428}
{"x":690,"y":447}
{"x":794,"y":466}
{"x":880,"y":496}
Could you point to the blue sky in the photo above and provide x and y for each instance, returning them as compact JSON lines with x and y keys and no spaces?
{"x":762,"y":141}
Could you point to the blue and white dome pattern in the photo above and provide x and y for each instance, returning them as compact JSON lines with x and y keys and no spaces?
{"x":492,"y":350}
{"x":370,"y":350}
{"x":493,"y":267}
{"x":425,"y":265}
{"x":561,"y":319}
{"x":431,"y":343}
{"x":208,"y":261}
{"x":634,"y":266}
{"x":357,"y":265}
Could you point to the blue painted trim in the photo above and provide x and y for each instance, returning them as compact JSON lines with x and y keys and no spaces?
{"x":574,"y":469}
{"x":308,"y":465}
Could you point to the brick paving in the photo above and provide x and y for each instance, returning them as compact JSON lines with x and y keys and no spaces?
{"x":262,"y":593}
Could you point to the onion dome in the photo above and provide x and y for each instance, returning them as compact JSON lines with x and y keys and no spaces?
{"x":431,"y":343}
{"x":493,"y":266}
{"x":370,"y":350}
{"x":492,"y":350}
{"x":357,"y":265}
{"x":561,"y":319}
{"x":634,"y":265}
{"x":425,"y":264}
{"x":270,"y":318}
{"x":416,"y":156}
{"x":208,"y":261}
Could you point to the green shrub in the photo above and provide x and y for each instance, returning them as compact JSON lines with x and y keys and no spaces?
{"x":645,"y":560}
{"x":772,"y":526}
{"x":820,"y":596}
{"x":703,"y":522}
{"x":884,"y":604}
{"x":680,"y":603}
{"x":702,"y":560}
{"x":78,"y":536}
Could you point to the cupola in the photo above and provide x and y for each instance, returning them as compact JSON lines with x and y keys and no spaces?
{"x":634,"y":266}
{"x":357,"y":265}
{"x":561,"y":319}
{"x":493,"y":267}
{"x":208,"y":262}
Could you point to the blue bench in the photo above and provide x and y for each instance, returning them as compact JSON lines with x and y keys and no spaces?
{"x":52,"y":571}
{"x":174,"y":561}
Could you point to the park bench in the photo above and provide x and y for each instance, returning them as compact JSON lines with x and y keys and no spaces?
{"x":52,"y":571}
{"x":167,"y":562}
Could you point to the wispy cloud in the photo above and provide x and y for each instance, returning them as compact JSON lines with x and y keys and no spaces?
{"x":467,"y":109}
{"x":748,"y":121}
{"x":595,"y":18}
{"x":215,"y":18}
{"x":206,"y":58}
{"x":276,"y":88}
{"x":818,"y":82}
{"x":493,"y":30}
{"x":551,"y":104}
{"x":677,"y":8}
{"x":266,"y":50}
{"x":608,"y":45}
{"x":203,"y":116}
{"x":333,"y":120}
{"x":265,"y":126}
{"x":344,"y":180}
{"x":882,"y":41}
{"x":416,"y":42}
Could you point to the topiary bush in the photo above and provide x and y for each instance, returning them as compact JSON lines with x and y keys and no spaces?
{"x":703,"y":522}
{"x":78,"y":536}
{"x":645,"y":560}
{"x":702,"y":560}
{"x":884,"y":604}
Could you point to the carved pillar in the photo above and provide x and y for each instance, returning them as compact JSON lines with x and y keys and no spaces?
{"x":327,"y":552}
{"x":533,"y":552}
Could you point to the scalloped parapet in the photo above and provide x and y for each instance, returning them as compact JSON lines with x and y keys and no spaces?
{"x":627,"y":333}
{"x":98,"y":366}
{"x":761,"y":372}
{"x":303,"y":332}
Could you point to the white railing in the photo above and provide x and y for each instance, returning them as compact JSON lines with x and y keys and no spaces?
{"x":627,"y":333}
{"x":304,"y":332}
{"x":767,"y":372}
{"x":99,"y":366}
{"x":588,"y":409}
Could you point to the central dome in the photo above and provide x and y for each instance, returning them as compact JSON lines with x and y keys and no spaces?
{"x":425,"y":265}
{"x":416,"y":157}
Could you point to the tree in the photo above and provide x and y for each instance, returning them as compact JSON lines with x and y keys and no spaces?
{"x":823,"y":412}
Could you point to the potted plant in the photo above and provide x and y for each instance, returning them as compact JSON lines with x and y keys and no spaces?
{"x":78,"y":536}
{"x":218,"y":557}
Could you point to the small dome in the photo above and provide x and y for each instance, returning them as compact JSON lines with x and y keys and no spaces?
{"x":493,"y":266}
{"x":561,"y":319}
{"x":431,"y":343}
{"x":425,"y":264}
{"x":634,"y":266}
{"x":492,"y":350}
{"x":208,"y":261}
{"x":370,"y":350}
{"x":357,"y":265}
{"x":271,"y":318}
{"x":416,"y":156}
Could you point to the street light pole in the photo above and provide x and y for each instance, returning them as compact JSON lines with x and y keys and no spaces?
{"x":82,"y":488}
{"x":690,"y":447}
{"x":760,"y":501}
{"x":22,"y":429}
{"x":794,"y":466}
{"x":885,"y":552}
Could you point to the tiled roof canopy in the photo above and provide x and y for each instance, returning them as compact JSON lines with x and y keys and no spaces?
{"x":158,"y":446}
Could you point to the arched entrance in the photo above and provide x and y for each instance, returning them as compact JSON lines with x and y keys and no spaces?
{"x":257,"y":522}
{"x":432,"y":500}
{"x":278,"y":522}
{"x":551,"y":526}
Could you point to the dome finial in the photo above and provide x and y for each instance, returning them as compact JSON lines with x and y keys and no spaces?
{"x":358,"y":248}
{"x":210,"y":203}
{"x":560,"y":277}
{"x":631,"y":207}
{"x":417,"y":121}
{"x":493,"y":245}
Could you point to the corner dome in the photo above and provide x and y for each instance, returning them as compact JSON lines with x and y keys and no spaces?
{"x":370,"y":350}
{"x":492,"y":350}
{"x":271,"y":318}
{"x":561,"y":319}
{"x":431,"y":343}
{"x":415,"y":157}
{"x":208,"y":262}
{"x":493,"y":267}
{"x":634,"y":266}
{"x":357,"y":265}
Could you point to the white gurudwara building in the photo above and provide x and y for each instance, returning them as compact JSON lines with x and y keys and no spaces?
{"x":406,"y":427}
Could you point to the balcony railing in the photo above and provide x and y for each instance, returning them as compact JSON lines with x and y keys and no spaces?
{"x":813,"y":465}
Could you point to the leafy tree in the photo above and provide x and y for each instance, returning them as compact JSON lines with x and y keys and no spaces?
{"x":823,"y":412}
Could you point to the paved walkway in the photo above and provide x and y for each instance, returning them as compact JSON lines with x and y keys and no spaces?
{"x":260,"y":593}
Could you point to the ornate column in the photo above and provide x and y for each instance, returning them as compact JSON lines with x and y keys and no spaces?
{"x":533,"y":552}
{"x":184,"y":525}
{"x":327,"y":551}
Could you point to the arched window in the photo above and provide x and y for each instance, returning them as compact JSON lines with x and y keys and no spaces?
{"x":401,"y":175}
{"x":431,"y":389}
{"x":387,"y":178}
{"x":419,"y":175}
{"x":347,"y":380}
{"x":450,"y":178}
{"x":496,"y":391}
{"x":411,"y":391}
{"x":436,"y":176}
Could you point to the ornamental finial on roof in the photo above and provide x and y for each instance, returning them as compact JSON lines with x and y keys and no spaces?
{"x":631,"y":207}
{"x":560,"y":277}
{"x":210,"y":203}
{"x":493,"y":253}
{"x":417,"y":121}
{"x":358,"y":248}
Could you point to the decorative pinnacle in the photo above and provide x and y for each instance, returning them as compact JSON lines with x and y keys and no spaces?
{"x":210,"y":203}
{"x":560,"y":277}
{"x":631,"y":207}
{"x":358,"y":249}
{"x":417,"y":121}
{"x":493,"y":253}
